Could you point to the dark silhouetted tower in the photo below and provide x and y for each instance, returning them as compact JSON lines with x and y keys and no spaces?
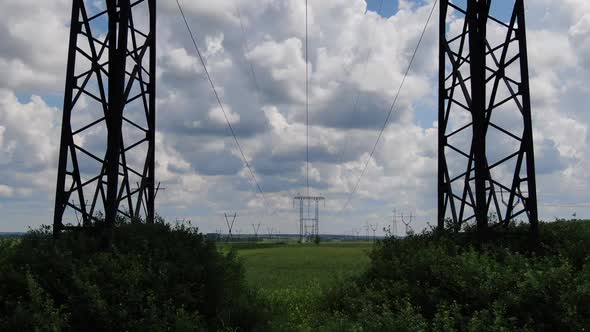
{"x":106,"y":156}
{"x":485,"y":131}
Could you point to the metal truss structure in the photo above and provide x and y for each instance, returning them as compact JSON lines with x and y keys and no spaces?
{"x":106,"y":156}
{"x":309,"y":228}
{"x":230,"y":224}
{"x":485,"y":131}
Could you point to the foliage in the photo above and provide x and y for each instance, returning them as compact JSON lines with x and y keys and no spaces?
{"x":453,"y":282}
{"x":154,"y":277}
{"x":158,"y":277}
{"x":252,"y":245}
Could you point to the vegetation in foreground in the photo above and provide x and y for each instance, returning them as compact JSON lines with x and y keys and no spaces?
{"x":159,"y":277}
{"x":450,"y":282}
{"x":432,"y":282}
{"x":155,"y":278}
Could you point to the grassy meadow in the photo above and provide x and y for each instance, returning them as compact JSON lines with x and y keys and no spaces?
{"x":299,"y":266}
{"x":293,"y":277}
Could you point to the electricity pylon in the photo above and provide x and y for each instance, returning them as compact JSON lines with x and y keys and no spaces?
{"x":485,"y":129}
{"x":230,"y":224}
{"x":109,"y":115}
{"x":309,"y":228}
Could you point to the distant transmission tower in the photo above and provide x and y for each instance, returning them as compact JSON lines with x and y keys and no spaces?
{"x":309,"y":227}
{"x":256,"y":228}
{"x":230,"y":224}
{"x":374,"y":229}
{"x":485,"y":129}
{"x":394,"y":223}
{"x":109,"y":94}
{"x":407,"y":221}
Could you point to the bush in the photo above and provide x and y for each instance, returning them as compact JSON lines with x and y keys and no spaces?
{"x":446,"y":282}
{"x":154,"y":277}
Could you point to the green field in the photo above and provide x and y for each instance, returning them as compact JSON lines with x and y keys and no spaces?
{"x":292,"y":277}
{"x":297,"y":266}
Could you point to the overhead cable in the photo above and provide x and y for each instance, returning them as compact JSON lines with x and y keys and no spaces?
{"x":306,"y":102}
{"x":252,"y":175}
{"x":350,"y":195}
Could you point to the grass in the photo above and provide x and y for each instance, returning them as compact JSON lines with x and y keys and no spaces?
{"x":296,"y":266}
{"x":292,"y":277}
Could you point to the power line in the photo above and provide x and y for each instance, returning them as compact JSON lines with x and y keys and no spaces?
{"x":220,"y":103}
{"x":247,"y":49}
{"x":391,"y":108}
{"x":254,"y":77}
{"x":366,"y":64}
{"x":306,"y":102}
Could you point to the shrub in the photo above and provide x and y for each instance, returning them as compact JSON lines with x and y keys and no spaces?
{"x":154,"y":277}
{"x":450,"y":282}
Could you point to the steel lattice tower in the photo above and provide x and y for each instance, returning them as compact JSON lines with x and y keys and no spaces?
{"x":486,"y":161}
{"x":309,"y":228}
{"x":106,"y":156}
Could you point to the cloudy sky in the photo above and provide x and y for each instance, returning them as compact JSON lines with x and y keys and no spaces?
{"x":356,"y":57}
